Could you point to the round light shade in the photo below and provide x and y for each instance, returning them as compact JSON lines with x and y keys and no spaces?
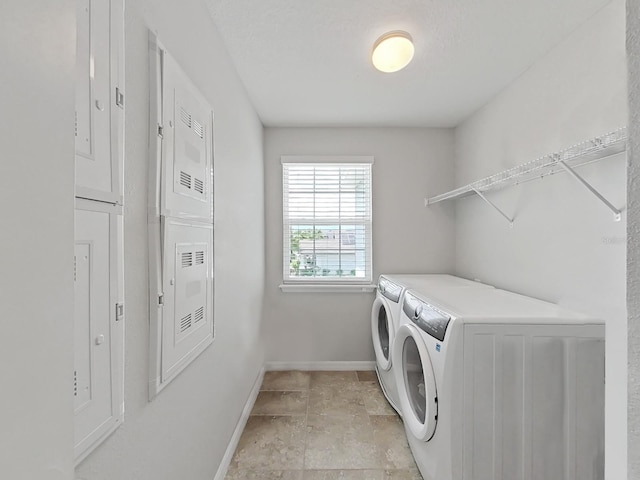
{"x":392,"y":51}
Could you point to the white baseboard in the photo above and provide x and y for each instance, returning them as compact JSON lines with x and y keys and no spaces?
{"x":242,"y":422}
{"x":312,"y":366}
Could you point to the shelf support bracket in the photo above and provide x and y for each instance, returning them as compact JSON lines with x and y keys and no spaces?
{"x":494,"y":206}
{"x":587,"y":185}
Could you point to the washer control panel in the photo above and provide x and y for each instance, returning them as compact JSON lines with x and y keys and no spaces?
{"x":424,"y":316}
{"x":389,"y":289}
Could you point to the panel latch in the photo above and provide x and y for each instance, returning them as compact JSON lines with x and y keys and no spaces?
{"x":119,"y":98}
{"x":119,"y":311}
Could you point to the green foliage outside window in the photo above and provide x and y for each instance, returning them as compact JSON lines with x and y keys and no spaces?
{"x":294,"y":242}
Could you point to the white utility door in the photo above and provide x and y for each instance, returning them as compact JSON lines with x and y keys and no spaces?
{"x":187,"y":167}
{"x":99,"y":100}
{"x":188,"y":294}
{"x":98,"y":324}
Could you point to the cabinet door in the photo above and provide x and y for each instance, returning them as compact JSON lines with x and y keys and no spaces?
{"x":99,"y":100}
{"x":188,"y":294}
{"x":187,"y":146}
{"x":98,"y":329}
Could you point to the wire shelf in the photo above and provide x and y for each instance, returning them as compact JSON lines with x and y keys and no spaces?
{"x":586,"y":152}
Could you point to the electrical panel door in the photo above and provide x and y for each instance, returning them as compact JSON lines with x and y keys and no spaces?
{"x":99,"y":100}
{"x":186,"y":146}
{"x":98,"y":319}
{"x":188,"y":293}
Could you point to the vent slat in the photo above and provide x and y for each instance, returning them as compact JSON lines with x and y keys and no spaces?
{"x":185,"y":180}
{"x":199,"y":315}
{"x":198,"y":185}
{"x":199,"y":258}
{"x":185,"y":323}
{"x":185,"y":117}
{"x":198,"y":129}
{"x":187,"y":259}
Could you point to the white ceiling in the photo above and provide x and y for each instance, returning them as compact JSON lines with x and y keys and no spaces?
{"x":307,"y":62}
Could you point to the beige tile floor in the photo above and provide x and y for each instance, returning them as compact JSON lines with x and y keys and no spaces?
{"x":322,"y":426}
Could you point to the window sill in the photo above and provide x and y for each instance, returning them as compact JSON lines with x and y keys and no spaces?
{"x":329,"y":288}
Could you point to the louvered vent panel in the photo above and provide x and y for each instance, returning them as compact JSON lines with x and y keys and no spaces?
{"x":199,"y":315}
{"x":185,"y":117}
{"x":185,"y":323}
{"x":198,"y":128}
{"x":185,"y":179}
{"x":198,"y":185}
{"x":187,"y":259}
{"x":199,"y":258}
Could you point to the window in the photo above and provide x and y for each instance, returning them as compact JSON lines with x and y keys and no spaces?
{"x":327,"y":219}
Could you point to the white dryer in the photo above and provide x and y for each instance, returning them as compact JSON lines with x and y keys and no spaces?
{"x":495,"y":385}
{"x":385,"y":318}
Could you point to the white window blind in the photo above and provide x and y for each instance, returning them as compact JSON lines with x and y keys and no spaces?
{"x":327,"y":219}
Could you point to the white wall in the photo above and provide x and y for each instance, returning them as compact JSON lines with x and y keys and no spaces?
{"x":633,"y":229}
{"x":407,"y":237}
{"x":37,"y":48}
{"x":564,"y":246}
{"x":184,"y":432}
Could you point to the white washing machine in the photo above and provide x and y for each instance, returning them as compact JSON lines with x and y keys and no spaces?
{"x":495,"y":385}
{"x":385,"y":318}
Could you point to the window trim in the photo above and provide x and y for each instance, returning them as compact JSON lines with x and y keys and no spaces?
{"x":328,"y":284}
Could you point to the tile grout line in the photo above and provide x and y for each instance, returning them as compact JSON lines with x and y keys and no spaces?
{"x":306,"y":428}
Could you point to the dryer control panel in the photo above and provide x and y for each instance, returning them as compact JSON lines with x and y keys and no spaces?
{"x":389,"y":289}
{"x":425,"y":317}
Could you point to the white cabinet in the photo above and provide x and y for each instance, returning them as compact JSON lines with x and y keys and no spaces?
{"x":187,"y":293}
{"x":98,"y":323}
{"x":99,"y":309}
{"x":180,"y":220}
{"x":186,"y":163}
{"x":99,"y":100}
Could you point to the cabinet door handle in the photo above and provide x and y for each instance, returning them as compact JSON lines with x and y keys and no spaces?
{"x":119,"y":311}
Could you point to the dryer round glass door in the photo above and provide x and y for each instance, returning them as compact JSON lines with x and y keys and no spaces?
{"x":416,"y":383}
{"x":381,"y":333}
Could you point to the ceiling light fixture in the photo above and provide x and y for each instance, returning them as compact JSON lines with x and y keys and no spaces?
{"x":392,"y":51}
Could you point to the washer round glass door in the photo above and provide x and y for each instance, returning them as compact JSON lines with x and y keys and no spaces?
{"x":381,"y":333}
{"x":416,"y":383}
